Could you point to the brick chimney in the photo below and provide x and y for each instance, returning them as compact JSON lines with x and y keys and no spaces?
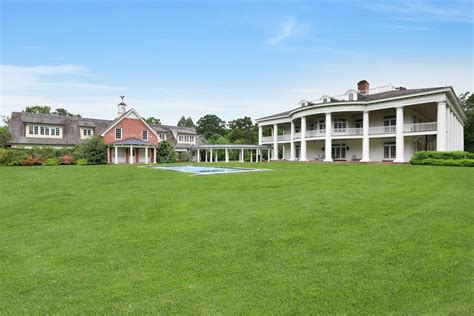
{"x":363,"y":87}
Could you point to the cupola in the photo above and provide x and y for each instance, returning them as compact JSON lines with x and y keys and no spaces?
{"x":121,"y":107}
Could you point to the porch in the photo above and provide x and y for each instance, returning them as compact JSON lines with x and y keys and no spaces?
{"x":131,"y":151}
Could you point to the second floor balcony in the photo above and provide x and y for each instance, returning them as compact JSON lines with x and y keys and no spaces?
{"x":429,"y":127}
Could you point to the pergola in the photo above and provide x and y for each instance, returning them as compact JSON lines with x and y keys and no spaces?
{"x":211,"y":151}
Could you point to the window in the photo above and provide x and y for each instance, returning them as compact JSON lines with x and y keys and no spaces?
{"x":351,"y":96}
{"x":42,"y":131}
{"x":185,"y":138}
{"x":325,"y":100}
{"x":390,"y":124}
{"x":86,"y":133}
{"x":359,"y":123}
{"x":145,"y":135}
{"x":162,"y":136}
{"x":322,"y":125}
{"x":389,"y":150}
{"x":338,"y":151}
{"x":340,"y":125}
{"x":118,"y":133}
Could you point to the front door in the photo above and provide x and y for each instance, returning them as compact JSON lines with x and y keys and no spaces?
{"x":389,"y":150}
{"x":339,"y":151}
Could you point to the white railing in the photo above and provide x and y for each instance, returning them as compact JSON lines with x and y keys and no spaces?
{"x":283,"y":137}
{"x":315,"y":133}
{"x":267,"y":139}
{"x":348,"y":131}
{"x":383,"y":130}
{"x":420,"y":127}
{"x":296,"y":135}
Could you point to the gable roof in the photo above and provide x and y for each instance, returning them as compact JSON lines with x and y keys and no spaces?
{"x":123,"y":116}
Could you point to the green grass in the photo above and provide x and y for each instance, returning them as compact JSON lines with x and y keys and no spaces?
{"x":303,"y":238}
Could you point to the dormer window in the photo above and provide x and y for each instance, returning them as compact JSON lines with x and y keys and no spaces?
{"x":118,"y":133}
{"x":162,"y":136}
{"x":351,"y":96}
{"x":325,"y":100}
{"x":145,"y":135}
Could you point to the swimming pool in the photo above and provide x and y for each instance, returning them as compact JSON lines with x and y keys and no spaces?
{"x":204,"y":170}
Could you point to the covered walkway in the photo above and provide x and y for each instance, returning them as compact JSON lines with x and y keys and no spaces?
{"x":217,"y":152}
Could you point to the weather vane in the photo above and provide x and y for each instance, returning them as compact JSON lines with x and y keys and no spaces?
{"x":122,"y":96}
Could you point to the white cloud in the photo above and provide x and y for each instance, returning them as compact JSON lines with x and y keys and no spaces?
{"x":287,"y":29}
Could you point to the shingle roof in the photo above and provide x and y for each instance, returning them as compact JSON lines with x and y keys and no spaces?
{"x":363,"y":98}
{"x":71,"y":129}
{"x":132,"y":141}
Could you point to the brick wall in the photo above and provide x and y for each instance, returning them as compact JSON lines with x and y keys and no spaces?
{"x":130,"y":128}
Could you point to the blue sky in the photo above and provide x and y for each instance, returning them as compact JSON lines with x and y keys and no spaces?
{"x":230,"y":58}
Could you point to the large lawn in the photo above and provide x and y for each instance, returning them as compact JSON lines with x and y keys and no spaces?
{"x":303,"y":238}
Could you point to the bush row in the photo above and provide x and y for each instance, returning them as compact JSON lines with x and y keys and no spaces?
{"x":447,"y":158}
{"x":455,"y":155}
{"x":92,"y":152}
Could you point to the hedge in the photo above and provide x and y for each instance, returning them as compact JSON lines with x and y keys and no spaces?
{"x":443,"y":158}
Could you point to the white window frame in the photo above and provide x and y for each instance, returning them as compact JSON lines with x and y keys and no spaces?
{"x":42,"y":131}
{"x":392,"y":150}
{"x":117,"y":131}
{"x":162,"y":136}
{"x":145,"y":135}
{"x":340,"y":125}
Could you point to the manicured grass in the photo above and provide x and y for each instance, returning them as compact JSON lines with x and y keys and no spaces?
{"x":303,"y":238}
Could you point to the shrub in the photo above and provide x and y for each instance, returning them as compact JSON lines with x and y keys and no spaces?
{"x":442,"y":155}
{"x":53,"y":161}
{"x":165,"y":153}
{"x":66,"y":160}
{"x":93,"y":150}
{"x":12,"y":157}
{"x":31,"y":160}
{"x":81,"y":162}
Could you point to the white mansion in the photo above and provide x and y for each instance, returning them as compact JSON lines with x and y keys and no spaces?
{"x":382,"y":124}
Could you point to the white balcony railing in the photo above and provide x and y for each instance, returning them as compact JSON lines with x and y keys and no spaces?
{"x":267,"y":139}
{"x":420,"y":127}
{"x":296,"y":135}
{"x":315,"y":133}
{"x":348,"y":131}
{"x":383,"y":130}
{"x":285,"y":137}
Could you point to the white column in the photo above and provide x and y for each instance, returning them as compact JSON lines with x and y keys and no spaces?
{"x":365,"y":139}
{"x":210,"y":156}
{"x":216,"y":156}
{"x":251,"y":155}
{"x":292,"y":143}
{"x":441,"y":131}
{"x":260,"y":135}
{"x":303,"y":140}
{"x":448,"y":128}
{"x":146,"y":154}
{"x":154,"y":154}
{"x":275,"y":142}
{"x":116,"y":155}
{"x":198,"y":156}
{"x":268,"y":152}
{"x":206,"y":156}
{"x":400,"y":148}
{"x":226,"y":155}
{"x":242,"y":155}
{"x":131,"y":155}
{"x":327,"y":139}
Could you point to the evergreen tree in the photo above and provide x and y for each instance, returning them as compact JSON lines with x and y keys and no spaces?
{"x":165,"y":153}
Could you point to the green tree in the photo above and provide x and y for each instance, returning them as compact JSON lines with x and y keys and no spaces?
{"x":64,"y":112}
{"x":38,"y":109}
{"x":210,"y":125}
{"x":189,"y":122}
{"x":186,"y":122}
{"x":165,"y":153}
{"x":243,"y":130}
{"x":467,"y":102}
{"x":5,"y":131}
{"x":94,"y":151}
{"x":4,"y":136}
{"x":153,"y":120}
